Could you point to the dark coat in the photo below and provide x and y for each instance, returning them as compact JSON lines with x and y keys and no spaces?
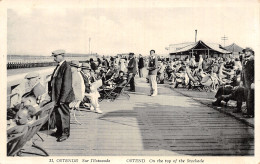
{"x":105,"y":64}
{"x":120,"y":81}
{"x":248,"y":71}
{"x":141,"y":63}
{"x":132,"y":66}
{"x":61,"y":85}
{"x":93,"y":66}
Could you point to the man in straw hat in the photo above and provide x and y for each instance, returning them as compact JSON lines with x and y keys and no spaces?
{"x":62,"y":94}
{"x":248,"y":79}
{"x":37,"y":90}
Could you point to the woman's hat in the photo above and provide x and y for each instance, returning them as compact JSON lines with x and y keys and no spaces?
{"x":75,"y":63}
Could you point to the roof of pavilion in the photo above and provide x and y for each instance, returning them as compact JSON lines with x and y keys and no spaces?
{"x":199,"y":45}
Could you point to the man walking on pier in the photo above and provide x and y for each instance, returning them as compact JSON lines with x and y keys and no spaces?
{"x":62,"y":93}
{"x":152,"y":67}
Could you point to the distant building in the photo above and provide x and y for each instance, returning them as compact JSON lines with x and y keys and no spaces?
{"x":183,"y":50}
{"x":235,"y":49}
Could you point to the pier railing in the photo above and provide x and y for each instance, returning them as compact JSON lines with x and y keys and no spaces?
{"x":17,"y":65}
{"x":17,"y":85}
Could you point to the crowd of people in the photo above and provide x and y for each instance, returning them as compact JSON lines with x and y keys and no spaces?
{"x":231,"y":78}
{"x":82,"y":85}
{"x":73,"y":85}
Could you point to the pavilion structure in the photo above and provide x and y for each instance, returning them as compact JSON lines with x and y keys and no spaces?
{"x":207,"y":50}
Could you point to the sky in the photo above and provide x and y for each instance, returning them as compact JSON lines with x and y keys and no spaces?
{"x":39,"y":31}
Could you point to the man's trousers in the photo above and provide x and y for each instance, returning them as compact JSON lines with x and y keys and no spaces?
{"x":153,"y":84}
{"x":62,"y":115}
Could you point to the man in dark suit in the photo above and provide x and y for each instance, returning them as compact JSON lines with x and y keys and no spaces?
{"x":93,"y":64}
{"x":62,"y":93}
{"x":132,"y":71}
{"x":248,"y":79}
{"x":141,"y":65}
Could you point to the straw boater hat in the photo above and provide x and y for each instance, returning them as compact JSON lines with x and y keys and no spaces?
{"x":85,"y":66}
{"x":32,"y":75}
{"x":58,"y":52}
{"x":75,"y":63}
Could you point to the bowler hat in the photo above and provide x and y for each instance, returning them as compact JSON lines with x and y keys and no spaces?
{"x":248,"y":49}
{"x":85,"y":66}
{"x":32,"y":75}
{"x":58,"y":52}
{"x":74,"y":63}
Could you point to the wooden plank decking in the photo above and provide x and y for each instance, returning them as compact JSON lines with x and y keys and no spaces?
{"x":169,"y":124}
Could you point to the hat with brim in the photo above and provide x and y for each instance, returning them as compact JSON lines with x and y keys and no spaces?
{"x":75,"y":63}
{"x":85,"y":66}
{"x":58,"y":52}
{"x":248,"y":49}
{"x":32,"y":75}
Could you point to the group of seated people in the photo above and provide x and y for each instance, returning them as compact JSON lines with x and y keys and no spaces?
{"x":225,"y":71}
{"x":29,"y":109}
{"x":88,"y":86}
{"x":218,"y":69}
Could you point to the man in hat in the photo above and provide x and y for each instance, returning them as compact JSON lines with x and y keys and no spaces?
{"x":91,"y":93}
{"x":153,"y":68}
{"x":37,"y":89}
{"x":132,"y":71}
{"x":62,"y":94}
{"x":37,"y":94}
{"x":247,"y":79}
{"x":93,"y":64}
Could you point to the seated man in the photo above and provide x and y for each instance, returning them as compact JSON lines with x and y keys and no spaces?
{"x":23,"y":117}
{"x":231,"y":92}
{"x":236,"y":94}
{"x":26,"y":101}
{"x":31,"y":101}
{"x":194,"y":81}
{"x":120,"y":81}
{"x":36,"y":89}
{"x":168,"y":70}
